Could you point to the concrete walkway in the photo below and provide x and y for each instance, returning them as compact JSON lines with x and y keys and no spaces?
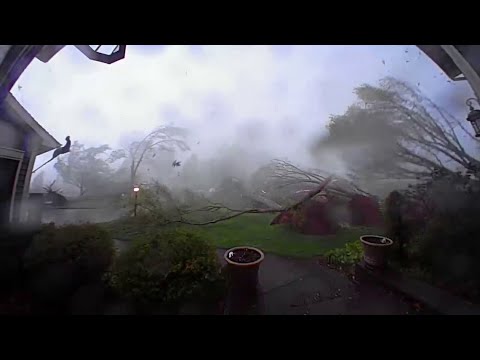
{"x":290,"y":286}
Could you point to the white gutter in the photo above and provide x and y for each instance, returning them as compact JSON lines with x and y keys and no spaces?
{"x":48,"y":142}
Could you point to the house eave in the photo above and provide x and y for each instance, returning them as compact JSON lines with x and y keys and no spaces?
{"x":21,"y":115}
{"x":444,"y":61}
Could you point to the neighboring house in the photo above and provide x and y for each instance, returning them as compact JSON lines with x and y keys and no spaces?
{"x":21,"y":140}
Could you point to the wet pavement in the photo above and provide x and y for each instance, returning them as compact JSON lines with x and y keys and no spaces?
{"x":290,"y":286}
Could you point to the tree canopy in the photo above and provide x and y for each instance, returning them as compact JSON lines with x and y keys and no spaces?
{"x":84,"y":167}
{"x":395,"y":131}
{"x":164,"y":138}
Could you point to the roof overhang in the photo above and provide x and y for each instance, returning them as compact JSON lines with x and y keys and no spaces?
{"x":444,"y":61}
{"x":20,"y":115}
{"x":117,"y":52}
{"x":13,"y":61}
{"x":49,"y":51}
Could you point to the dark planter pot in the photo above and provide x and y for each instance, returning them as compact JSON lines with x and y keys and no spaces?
{"x":242,"y":273}
{"x":375,"y":250}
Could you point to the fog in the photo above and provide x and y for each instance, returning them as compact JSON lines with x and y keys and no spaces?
{"x":242,"y":105}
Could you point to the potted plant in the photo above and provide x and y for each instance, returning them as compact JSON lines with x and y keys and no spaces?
{"x":243,"y":263}
{"x":375,"y":249}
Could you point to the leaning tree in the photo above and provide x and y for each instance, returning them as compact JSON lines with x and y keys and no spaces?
{"x":394,"y":131}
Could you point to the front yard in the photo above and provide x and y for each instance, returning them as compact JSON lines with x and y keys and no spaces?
{"x":252,"y":230}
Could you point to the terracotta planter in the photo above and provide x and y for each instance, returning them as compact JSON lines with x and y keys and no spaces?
{"x":375,"y":249}
{"x":244,"y":273}
{"x":242,"y":270}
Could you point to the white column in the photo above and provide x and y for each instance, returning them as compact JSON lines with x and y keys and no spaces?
{"x":464,"y":66}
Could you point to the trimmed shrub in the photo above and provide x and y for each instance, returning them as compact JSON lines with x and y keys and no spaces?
{"x":438,"y":218}
{"x":450,"y":251}
{"x":87,"y":247}
{"x":60,"y":260}
{"x":365,"y":211}
{"x":168,"y":268}
{"x":313,"y":217}
{"x":404,"y":218}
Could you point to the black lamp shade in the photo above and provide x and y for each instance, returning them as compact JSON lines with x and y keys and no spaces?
{"x":474,"y":118}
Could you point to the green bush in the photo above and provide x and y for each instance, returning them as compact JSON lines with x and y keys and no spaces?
{"x":405,"y":216}
{"x":87,"y":247}
{"x":350,"y":254}
{"x":395,"y":217}
{"x":443,"y":246}
{"x":168,"y":268}
{"x":450,"y":251}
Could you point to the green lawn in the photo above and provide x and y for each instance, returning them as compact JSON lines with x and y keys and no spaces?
{"x":254,"y":230}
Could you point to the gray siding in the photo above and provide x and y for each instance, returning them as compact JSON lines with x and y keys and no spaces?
{"x":14,"y":137}
{"x":10,"y":135}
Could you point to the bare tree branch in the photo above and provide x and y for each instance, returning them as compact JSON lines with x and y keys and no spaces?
{"x":155,"y":140}
{"x":237,"y":213}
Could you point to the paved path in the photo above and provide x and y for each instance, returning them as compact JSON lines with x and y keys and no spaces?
{"x":290,"y":286}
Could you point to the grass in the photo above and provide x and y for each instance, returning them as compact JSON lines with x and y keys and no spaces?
{"x":254,"y":230}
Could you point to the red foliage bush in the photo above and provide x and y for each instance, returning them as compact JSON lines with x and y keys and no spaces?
{"x":312,"y":218}
{"x":365,"y":211}
{"x":317,"y":219}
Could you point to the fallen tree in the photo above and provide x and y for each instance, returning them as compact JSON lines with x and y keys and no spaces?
{"x":278,"y":174}
{"x":286,"y":174}
{"x":235,"y":213}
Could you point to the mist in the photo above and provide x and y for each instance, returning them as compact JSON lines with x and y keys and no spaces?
{"x":241,"y":105}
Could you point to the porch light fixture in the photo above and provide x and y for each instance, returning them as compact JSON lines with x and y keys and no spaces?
{"x":136,"y":189}
{"x":474,"y":116}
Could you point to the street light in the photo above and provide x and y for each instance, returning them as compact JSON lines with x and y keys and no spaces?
{"x":136,"y":189}
{"x":474,"y":116}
